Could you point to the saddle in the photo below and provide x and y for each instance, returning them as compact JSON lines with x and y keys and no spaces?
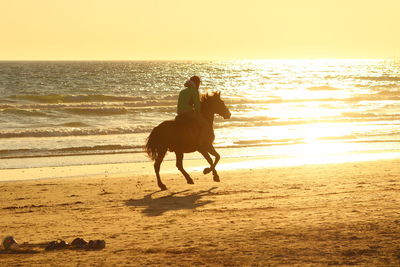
{"x":187,"y":134}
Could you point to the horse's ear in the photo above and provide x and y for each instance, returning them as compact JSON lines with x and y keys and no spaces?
{"x":218,"y":93}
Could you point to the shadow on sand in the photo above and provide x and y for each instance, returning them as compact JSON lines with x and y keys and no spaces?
{"x":173,"y":201}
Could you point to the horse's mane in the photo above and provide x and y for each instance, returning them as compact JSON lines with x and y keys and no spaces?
{"x":206,"y":96}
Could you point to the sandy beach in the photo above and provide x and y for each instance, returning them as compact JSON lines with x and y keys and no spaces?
{"x":331,"y":214}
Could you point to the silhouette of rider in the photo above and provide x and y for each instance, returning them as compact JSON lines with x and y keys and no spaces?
{"x":189,"y":107}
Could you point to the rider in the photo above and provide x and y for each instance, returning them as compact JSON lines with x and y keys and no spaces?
{"x":189,"y":107}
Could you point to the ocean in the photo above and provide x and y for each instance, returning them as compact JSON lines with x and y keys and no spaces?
{"x":102,"y":111}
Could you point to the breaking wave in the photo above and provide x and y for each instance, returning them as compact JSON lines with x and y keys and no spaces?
{"x":75,"y":124}
{"x":71,"y":131}
{"x":82,"y":150}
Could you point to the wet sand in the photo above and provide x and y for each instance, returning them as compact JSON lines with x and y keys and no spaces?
{"x":332,"y":214}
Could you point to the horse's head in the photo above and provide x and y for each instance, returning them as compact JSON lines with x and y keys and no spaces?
{"x":217,"y":105}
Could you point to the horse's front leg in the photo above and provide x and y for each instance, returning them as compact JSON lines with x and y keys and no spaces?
{"x":213,"y":152}
{"x":212,"y":164}
{"x":179,"y":165}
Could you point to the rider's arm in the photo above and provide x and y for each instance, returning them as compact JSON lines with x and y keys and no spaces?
{"x":196,"y":101}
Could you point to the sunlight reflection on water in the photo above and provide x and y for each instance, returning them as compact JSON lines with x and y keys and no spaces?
{"x":255,"y":163}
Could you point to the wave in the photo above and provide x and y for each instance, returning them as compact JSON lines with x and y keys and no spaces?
{"x":54,"y":101}
{"x":358,"y":115}
{"x":59,"y":106}
{"x":362,"y":97}
{"x":83,"y":129}
{"x":24,"y":112}
{"x":388,"y":93}
{"x":71,"y":131}
{"x":347,"y":118}
{"x":294,"y":141}
{"x":380,"y":78}
{"x":84,"y":111}
{"x":322,"y":88}
{"x":371,"y":115}
{"x":56,"y":98}
{"x":84,"y":150}
{"x":390,"y":86}
{"x":170,"y":97}
{"x":150,"y":103}
{"x":4,"y":106}
{"x":76,"y":104}
{"x":332,"y":138}
{"x":136,"y":103}
{"x":101,"y":111}
{"x":379,"y":96}
{"x":97,"y":148}
{"x":248,"y":119}
{"x":269,"y":142}
{"x":74,"y":124}
{"x":64,"y":110}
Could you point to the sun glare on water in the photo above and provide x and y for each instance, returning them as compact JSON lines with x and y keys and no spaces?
{"x":301,"y":109}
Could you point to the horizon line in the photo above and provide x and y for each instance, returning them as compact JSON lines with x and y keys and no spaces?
{"x":243,"y":59}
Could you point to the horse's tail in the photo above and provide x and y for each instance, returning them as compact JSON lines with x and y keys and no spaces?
{"x":152,"y":144}
{"x":157,"y":141}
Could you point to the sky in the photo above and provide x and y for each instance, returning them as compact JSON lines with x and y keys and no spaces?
{"x":193,"y":29}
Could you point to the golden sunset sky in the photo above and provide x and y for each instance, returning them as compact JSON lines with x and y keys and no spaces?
{"x":192,"y":29}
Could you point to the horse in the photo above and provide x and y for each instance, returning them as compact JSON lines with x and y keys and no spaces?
{"x":182,"y":137}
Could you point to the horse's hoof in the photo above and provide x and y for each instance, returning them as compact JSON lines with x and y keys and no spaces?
{"x":216,"y":179}
{"x":163,"y":187}
{"x":206,"y":170}
{"x":190,"y":181}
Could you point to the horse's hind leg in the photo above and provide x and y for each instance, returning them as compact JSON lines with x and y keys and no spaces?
{"x":179,"y":165}
{"x":157,"y":164}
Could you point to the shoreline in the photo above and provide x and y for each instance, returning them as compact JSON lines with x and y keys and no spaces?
{"x":193,"y":162}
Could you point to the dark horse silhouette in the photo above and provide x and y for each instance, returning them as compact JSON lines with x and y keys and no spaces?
{"x":182,"y":137}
